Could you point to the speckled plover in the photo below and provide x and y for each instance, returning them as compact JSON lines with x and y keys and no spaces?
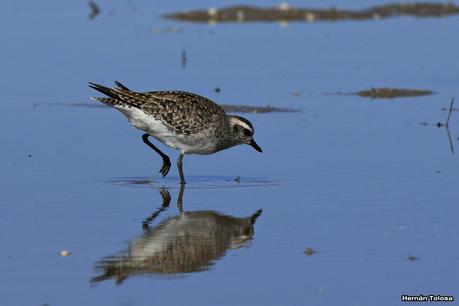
{"x":184,"y":121}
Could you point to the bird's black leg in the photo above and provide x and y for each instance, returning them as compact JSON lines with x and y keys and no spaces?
{"x":179,"y":166}
{"x":166,"y":161}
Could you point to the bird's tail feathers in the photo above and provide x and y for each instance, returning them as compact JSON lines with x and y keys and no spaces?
{"x":105,"y":90}
{"x":121,"y":86}
{"x":119,"y":94}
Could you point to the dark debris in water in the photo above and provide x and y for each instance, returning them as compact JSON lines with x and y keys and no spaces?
{"x":451,"y":108}
{"x":283,"y":12}
{"x":309,"y":252}
{"x":445,"y":125}
{"x":183,"y":59}
{"x":95,"y":10}
{"x":391,"y":93}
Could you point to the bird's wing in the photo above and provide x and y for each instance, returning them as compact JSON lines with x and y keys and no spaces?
{"x":184,"y":112}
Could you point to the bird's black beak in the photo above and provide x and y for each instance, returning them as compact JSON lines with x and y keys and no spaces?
{"x":255,"y":146}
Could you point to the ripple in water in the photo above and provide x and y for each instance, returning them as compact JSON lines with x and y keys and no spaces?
{"x":194,"y":182}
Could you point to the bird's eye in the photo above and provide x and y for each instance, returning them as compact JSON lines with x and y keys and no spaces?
{"x":247,"y":132}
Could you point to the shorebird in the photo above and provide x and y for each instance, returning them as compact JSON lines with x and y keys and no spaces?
{"x":184,"y":121}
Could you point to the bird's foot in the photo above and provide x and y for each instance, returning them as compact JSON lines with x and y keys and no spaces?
{"x":166,"y":166}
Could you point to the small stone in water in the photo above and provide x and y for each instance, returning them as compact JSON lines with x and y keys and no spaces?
{"x":309,"y":251}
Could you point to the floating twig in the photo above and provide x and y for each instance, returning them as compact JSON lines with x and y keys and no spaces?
{"x":446,"y":124}
{"x":450,"y":111}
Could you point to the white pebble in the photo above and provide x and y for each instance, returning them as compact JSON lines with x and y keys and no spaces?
{"x":65,"y":253}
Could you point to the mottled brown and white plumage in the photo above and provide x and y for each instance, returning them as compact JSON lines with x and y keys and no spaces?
{"x":184,"y":121}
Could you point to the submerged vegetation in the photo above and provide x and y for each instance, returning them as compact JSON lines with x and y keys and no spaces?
{"x":286,"y":13}
{"x":390,"y":93}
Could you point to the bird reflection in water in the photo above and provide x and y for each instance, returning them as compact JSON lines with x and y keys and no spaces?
{"x":189,"y":242}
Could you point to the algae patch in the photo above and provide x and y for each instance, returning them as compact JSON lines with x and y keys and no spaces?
{"x":286,"y":13}
{"x":391,"y":93}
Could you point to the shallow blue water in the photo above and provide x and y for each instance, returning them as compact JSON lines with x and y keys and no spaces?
{"x":359,"y":181}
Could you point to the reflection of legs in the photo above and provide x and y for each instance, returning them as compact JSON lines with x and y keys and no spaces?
{"x":166,"y":201}
{"x":166,"y":161}
{"x":179,"y":166}
{"x":180,"y":198}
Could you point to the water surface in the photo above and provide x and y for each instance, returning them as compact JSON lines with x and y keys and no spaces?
{"x":359,"y":181}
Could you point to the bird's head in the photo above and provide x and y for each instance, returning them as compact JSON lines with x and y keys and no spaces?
{"x":242,"y":132}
